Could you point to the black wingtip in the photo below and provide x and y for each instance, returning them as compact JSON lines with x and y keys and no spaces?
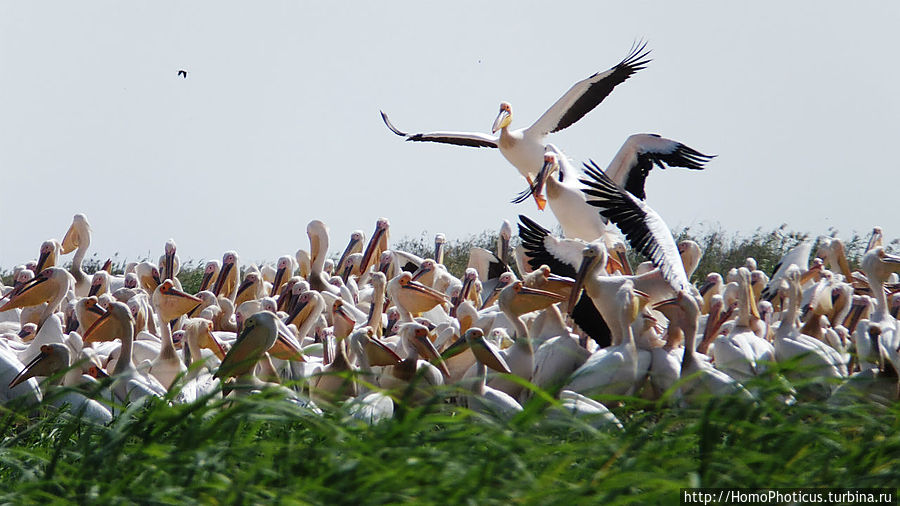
{"x":390,"y":125}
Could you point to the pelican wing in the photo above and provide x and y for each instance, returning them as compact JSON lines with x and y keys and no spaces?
{"x":472,"y":139}
{"x":645,"y":230}
{"x":563,"y":256}
{"x":643,"y":151}
{"x":586,"y":94}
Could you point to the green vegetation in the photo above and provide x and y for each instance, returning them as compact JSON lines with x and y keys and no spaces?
{"x":265,"y":449}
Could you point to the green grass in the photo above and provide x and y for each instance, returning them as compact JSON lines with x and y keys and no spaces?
{"x":265,"y":449}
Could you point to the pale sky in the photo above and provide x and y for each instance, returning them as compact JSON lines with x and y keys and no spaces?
{"x":277,"y":122}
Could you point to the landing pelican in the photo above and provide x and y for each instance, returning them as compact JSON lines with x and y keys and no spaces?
{"x":524,"y":148}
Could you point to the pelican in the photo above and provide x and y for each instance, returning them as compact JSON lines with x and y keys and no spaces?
{"x":78,"y":236}
{"x":48,"y":286}
{"x":128,"y":384}
{"x":563,"y":256}
{"x":55,"y":358}
{"x":50,"y":251}
{"x":617,"y":369}
{"x":878,"y":265}
{"x":629,"y":169}
{"x":169,"y":263}
{"x":227,"y":282}
{"x":318,"y":248}
{"x":170,"y":303}
{"x":484,"y":399}
{"x":524,"y":148}
{"x":817,"y":363}
{"x":210,"y":274}
{"x":643,"y":227}
{"x":419,"y":374}
{"x":698,"y":378}
{"x":516,"y":300}
{"x":799,"y":256}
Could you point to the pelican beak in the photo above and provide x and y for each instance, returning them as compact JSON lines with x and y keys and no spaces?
{"x":370,"y":249}
{"x":623,"y":261}
{"x":70,"y":241}
{"x":347,"y":252}
{"x":97,"y":310}
{"x":276,"y":283}
{"x":488,"y":356}
{"x":245,"y":285}
{"x":35,"y":291}
{"x":426,"y":348}
{"x":664,"y":304}
{"x":37,"y":367}
{"x":458,"y":346}
{"x":213,"y":344}
{"x":207,"y":278}
{"x":295,"y":313}
{"x":169,"y":265}
{"x":421,"y":271}
{"x":286,"y":346}
{"x":502,"y":120}
{"x":223,"y":275}
{"x":579,"y":283}
{"x":45,"y":255}
{"x":379,"y":354}
{"x":98,"y":330}
{"x":427,"y":291}
{"x":537,"y":189}
{"x":339,"y":311}
{"x":95,"y":287}
{"x":754,"y":309}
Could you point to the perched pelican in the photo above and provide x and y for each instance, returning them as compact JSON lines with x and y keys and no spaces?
{"x":484,"y":399}
{"x":169,"y":263}
{"x":48,"y":286}
{"x":699,"y":378}
{"x":55,"y":358}
{"x":817,"y":363}
{"x":128,"y":384}
{"x":78,"y":236}
{"x":210,"y":274}
{"x":618,"y":369}
{"x":524,"y":148}
{"x":227,"y":282}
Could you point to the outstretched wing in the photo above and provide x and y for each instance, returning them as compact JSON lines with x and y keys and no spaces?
{"x":641,"y":152}
{"x":586,"y":94}
{"x":471,"y":139}
{"x":644,"y":229}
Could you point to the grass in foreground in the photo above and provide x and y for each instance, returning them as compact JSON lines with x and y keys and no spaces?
{"x":265,"y":449}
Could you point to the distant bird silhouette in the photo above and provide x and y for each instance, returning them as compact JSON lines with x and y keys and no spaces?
{"x":183,"y":73}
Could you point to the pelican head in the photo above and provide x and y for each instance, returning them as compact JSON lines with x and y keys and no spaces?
{"x":504,"y":117}
{"x":113,"y":324}
{"x":79,"y":233}
{"x":592,"y":255}
{"x":53,"y":358}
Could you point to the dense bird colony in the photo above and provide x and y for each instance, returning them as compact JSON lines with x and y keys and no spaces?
{"x":381,"y":327}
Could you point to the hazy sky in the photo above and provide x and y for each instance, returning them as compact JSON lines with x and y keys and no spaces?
{"x":277,"y":122}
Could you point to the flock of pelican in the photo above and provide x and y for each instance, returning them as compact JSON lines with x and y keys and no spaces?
{"x":379,"y":326}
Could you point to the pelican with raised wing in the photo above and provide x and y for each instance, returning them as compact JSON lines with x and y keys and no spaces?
{"x":524,"y":148}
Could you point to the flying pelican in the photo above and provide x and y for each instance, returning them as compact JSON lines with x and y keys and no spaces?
{"x":524,"y":148}
{"x":645,"y":230}
{"x":629,"y":169}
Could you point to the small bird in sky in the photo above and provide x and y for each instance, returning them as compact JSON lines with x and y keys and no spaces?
{"x":183,"y":73}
